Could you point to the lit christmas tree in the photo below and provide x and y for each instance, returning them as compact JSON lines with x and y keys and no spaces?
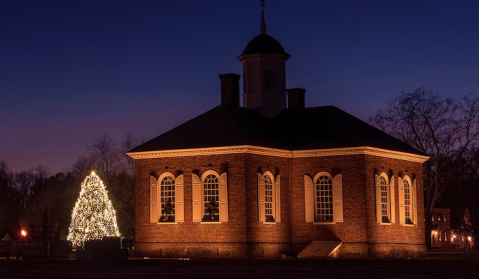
{"x":93,"y":216}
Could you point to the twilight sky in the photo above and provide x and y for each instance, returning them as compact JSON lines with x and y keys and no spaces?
{"x":73,"y":70}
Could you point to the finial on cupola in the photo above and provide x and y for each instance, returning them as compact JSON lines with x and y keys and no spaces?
{"x":263,"y":25}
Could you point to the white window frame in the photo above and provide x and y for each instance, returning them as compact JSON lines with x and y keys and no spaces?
{"x":325,"y":206}
{"x":198,"y":197}
{"x":156,"y":202}
{"x":161,"y":203}
{"x":385,"y":203}
{"x":310,"y":198}
{"x":413,"y":201}
{"x":408,"y":202}
{"x":263,"y":199}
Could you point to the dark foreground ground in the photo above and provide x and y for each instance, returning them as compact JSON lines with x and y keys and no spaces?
{"x":442,"y":265}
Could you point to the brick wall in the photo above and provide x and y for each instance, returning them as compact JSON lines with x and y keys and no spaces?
{"x":395,"y":233}
{"x":243,"y":235}
{"x":178,"y":235}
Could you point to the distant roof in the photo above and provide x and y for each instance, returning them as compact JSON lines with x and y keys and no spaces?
{"x":294,"y":129}
{"x":263,"y":44}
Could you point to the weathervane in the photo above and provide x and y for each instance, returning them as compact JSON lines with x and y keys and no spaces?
{"x":263,"y":25}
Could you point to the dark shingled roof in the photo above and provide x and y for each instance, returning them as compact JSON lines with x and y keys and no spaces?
{"x":294,"y":129}
{"x":263,"y":44}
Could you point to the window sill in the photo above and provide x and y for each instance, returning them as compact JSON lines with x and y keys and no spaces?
{"x":324,"y":223}
{"x":167,"y":223}
{"x":408,"y":225}
{"x":385,"y":224}
{"x":269,"y":223}
{"x":209,"y":222}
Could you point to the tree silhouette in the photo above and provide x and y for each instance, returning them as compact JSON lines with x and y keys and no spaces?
{"x":444,"y":129}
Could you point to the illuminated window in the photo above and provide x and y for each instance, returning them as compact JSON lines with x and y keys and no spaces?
{"x":167,"y":191}
{"x":210,"y":197}
{"x":407,"y":202}
{"x":439,"y":235}
{"x":384,"y":200}
{"x":166,"y":199}
{"x":445,"y":218}
{"x":439,"y":216}
{"x":269,"y":206}
{"x":323,"y":198}
{"x":445,"y":235}
{"x":268,"y":197}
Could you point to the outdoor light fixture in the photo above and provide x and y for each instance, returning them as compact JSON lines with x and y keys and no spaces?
{"x":24,"y":233}
{"x":469,"y":238}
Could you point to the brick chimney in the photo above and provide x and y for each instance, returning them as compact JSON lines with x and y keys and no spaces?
{"x":296,"y":98}
{"x":230,"y":89}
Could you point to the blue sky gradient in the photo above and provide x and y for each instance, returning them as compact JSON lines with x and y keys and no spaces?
{"x":73,"y":70}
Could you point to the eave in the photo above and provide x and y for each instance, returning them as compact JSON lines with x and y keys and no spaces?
{"x":258,"y":150}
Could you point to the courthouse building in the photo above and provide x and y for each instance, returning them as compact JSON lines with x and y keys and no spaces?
{"x":275,"y":177}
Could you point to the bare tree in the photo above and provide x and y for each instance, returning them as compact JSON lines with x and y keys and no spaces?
{"x":123,"y":187}
{"x":462,"y":198}
{"x":27,"y":182}
{"x":441,"y":128}
{"x":82,"y":167}
{"x":128,"y":143}
{"x":105,"y":153}
{"x":8,"y":208}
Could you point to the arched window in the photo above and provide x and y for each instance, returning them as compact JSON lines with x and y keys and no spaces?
{"x":166,"y":199}
{"x":210,"y":197}
{"x":167,"y":194}
{"x":408,"y":201}
{"x":384,"y":199}
{"x":269,"y":199}
{"x":323,"y":198}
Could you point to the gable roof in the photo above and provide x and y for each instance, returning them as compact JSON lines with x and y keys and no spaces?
{"x":294,"y":129}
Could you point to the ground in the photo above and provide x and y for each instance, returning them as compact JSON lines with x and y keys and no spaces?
{"x":442,"y":265}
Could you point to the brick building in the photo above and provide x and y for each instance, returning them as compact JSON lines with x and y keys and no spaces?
{"x":459,"y":237}
{"x":441,"y":235}
{"x":274,"y":177}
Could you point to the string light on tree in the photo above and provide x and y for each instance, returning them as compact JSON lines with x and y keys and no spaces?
{"x":93,"y":216}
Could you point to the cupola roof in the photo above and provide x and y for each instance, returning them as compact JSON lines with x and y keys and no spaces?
{"x":263,"y":43}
